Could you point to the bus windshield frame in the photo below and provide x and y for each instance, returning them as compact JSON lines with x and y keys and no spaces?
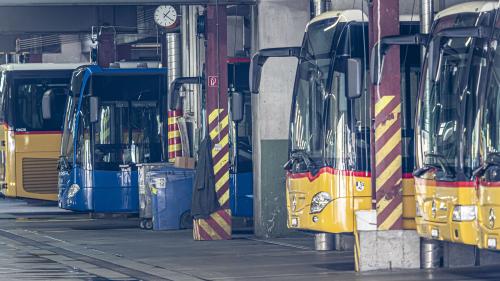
{"x":132,"y":102}
{"x":448,"y":106}
{"x":325,"y":125}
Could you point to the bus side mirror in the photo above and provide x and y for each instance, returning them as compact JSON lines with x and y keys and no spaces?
{"x":47,"y":99}
{"x":354,"y":78}
{"x":174,"y":90}
{"x":381,"y":48}
{"x":237,"y":106}
{"x":260,"y":58}
{"x":94,"y":109}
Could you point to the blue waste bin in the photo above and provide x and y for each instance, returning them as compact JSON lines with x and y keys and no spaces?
{"x":172,"y":191}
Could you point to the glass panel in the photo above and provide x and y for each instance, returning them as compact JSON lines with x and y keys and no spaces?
{"x":28,"y":94}
{"x":128,"y":130}
{"x":449,"y":106}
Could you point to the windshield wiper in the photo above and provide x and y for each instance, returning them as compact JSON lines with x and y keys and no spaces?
{"x":299,"y":155}
{"x":441,"y":164}
{"x":492,"y":159}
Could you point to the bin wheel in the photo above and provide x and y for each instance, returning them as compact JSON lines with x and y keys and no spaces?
{"x":141,"y":224}
{"x":149,"y":224}
{"x":186,"y":220}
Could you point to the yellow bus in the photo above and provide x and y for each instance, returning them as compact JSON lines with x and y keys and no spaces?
{"x":448,"y":122}
{"x":30,"y":142}
{"x":329,"y":168}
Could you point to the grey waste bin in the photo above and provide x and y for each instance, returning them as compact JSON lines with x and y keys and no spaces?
{"x":145,"y":197}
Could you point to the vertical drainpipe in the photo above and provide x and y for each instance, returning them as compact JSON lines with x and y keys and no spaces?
{"x":174,"y":71}
{"x":323,"y":241}
{"x":431,"y":251}
{"x":319,"y":7}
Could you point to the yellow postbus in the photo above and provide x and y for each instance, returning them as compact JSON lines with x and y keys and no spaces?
{"x":448,"y":122}
{"x":329,"y":167}
{"x":30,"y":142}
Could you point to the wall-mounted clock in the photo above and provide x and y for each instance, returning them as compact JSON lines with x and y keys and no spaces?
{"x":166,"y":16}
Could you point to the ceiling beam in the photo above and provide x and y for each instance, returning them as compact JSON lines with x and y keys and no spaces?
{"x":121,"y":2}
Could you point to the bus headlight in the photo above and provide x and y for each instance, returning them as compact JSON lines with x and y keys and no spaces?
{"x":418,"y":211}
{"x":319,"y":202}
{"x":464,"y":213}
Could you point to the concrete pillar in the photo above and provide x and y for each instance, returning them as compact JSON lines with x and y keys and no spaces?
{"x":218,"y":225}
{"x":386,"y":107}
{"x":279,"y":23}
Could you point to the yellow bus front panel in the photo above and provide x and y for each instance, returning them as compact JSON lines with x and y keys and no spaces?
{"x":488,"y":210}
{"x":348,"y":191}
{"x":437,"y":201}
{"x":409,"y":206}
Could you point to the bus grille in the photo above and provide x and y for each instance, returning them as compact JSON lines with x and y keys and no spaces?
{"x":40,"y":175}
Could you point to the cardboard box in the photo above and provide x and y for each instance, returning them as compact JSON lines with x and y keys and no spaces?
{"x":184,"y":162}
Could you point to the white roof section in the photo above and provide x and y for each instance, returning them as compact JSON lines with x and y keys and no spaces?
{"x":355,"y":15}
{"x":344,"y":16}
{"x":468,"y":7}
{"x":39,"y":66}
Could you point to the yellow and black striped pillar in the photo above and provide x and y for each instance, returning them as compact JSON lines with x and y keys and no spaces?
{"x":218,"y":225}
{"x":387,"y":164}
{"x":174,"y":135}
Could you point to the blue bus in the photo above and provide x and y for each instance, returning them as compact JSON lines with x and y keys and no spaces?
{"x":115,"y":118}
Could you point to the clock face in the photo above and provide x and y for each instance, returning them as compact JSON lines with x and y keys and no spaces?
{"x":165,"y":16}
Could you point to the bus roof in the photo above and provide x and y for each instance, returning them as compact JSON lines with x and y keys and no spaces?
{"x":468,"y":7}
{"x":356,"y":15}
{"x":98,"y":70}
{"x":39,"y":66}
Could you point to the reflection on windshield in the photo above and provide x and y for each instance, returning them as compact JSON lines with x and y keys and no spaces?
{"x":28,"y":94}
{"x":331,"y":129}
{"x":490,"y":127}
{"x":128,"y":129}
{"x":449,"y":105}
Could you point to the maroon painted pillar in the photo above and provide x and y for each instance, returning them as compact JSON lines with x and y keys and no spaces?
{"x":106,"y":51}
{"x":386,"y":107}
{"x":218,"y":225}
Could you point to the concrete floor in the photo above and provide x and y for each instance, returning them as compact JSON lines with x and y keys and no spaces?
{"x":41,"y":242}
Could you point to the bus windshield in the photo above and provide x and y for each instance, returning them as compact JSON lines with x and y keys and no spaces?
{"x":27,"y":98}
{"x":490,"y":128}
{"x":448,"y":107}
{"x":128,"y":128}
{"x":324,"y":123}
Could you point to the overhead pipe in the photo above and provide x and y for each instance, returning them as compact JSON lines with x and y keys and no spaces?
{"x":319,"y":7}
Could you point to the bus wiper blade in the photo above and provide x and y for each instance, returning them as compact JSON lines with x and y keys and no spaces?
{"x":493,"y":158}
{"x":441,"y":161}
{"x":299,"y":155}
{"x":420,"y":171}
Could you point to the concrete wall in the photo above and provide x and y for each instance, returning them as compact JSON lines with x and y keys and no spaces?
{"x":279,"y":23}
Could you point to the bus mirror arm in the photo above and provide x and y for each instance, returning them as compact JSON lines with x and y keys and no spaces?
{"x":175,"y":86}
{"x":381,"y":48}
{"x":260,"y":58}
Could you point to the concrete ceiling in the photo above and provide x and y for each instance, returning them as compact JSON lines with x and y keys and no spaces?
{"x":118,"y":2}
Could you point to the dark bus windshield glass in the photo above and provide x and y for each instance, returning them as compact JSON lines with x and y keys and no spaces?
{"x":128,"y":127}
{"x":330,"y":128}
{"x":490,"y":127}
{"x":449,"y":105}
{"x":27,"y":99}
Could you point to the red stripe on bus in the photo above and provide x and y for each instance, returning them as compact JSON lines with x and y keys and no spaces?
{"x":329,"y":170}
{"x":454,"y":184}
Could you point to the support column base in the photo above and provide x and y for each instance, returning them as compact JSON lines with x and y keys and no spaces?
{"x":388,"y":250}
{"x":217,"y":227}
